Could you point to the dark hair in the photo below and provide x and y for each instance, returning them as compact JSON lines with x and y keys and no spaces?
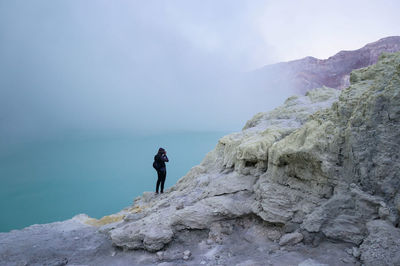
{"x":161,"y":150}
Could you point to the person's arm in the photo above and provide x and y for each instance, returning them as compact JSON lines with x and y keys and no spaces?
{"x":164,"y":158}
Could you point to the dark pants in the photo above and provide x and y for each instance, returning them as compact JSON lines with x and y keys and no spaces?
{"x":161,"y":179}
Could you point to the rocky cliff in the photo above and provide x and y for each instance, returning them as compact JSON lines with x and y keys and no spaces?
{"x":310,"y":73}
{"x":326,"y":172}
{"x":313,"y":182}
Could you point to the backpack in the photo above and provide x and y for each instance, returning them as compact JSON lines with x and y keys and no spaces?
{"x":155,"y":165}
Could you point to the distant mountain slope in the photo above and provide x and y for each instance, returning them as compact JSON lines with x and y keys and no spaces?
{"x":310,"y":73}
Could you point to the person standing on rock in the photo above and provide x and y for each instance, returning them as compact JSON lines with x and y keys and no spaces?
{"x":159,"y":164}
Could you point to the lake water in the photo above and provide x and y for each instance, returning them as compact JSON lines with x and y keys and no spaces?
{"x":50,"y":181}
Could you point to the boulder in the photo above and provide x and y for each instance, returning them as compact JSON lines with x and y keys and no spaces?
{"x":291,"y":239}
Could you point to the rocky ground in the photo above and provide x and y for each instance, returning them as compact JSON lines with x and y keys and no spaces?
{"x":245,"y":241}
{"x":313,"y":182}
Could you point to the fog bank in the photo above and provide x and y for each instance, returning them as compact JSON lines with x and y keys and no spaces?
{"x":154,"y":66}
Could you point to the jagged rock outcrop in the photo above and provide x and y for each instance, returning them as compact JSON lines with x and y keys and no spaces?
{"x":222,"y":186}
{"x":320,"y":164}
{"x":309,"y":73}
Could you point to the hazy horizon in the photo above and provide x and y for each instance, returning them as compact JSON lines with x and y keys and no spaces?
{"x":94,"y":67}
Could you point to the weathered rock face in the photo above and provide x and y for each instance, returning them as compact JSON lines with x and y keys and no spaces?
{"x":309,"y":73}
{"x":222,"y":186}
{"x":322,"y":164}
{"x":342,"y":166}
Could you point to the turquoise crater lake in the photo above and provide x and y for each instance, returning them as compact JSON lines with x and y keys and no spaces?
{"x":54,"y":180}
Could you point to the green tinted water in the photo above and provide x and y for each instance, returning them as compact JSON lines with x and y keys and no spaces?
{"x":51,"y":181}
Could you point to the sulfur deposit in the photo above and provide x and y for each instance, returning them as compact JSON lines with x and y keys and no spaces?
{"x":313,"y":182}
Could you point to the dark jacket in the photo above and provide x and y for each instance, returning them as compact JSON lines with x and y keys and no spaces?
{"x":160,"y":160}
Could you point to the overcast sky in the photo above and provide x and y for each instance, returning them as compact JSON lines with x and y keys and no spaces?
{"x":145,"y":66}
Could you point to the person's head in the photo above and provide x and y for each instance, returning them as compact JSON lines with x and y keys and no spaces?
{"x":161,"y":150}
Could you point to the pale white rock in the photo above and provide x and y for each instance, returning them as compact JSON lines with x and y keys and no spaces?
{"x":291,"y":239}
{"x":254,"y":233}
{"x":208,"y":210}
{"x":148,"y":196}
{"x":133,"y":217}
{"x":218,"y":230}
{"x":274,"y":235}
{"x":356,"y":252}
{"x":246,"y":263}
{"x":311,"y":262}
{"x":187,"y":253}
{"x":343,"y":215}
{"x":160,"y":255}
{"x":230,"y":183}
{"x":384,"y":212}
{"x":136,"y":235}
